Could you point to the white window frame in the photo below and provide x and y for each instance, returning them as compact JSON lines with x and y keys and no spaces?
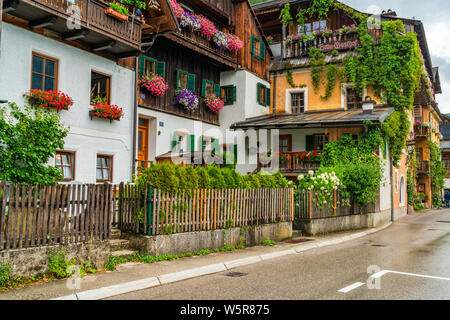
{"x":344,"y":87}
{"x":288,"y":106}
{"x":181,"y":145}
{"x":396,"y":181}
{"x":402,"y":197}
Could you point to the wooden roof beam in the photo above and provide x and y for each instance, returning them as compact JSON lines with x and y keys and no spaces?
{"x":75,"y":35}
{"x":104,"y":46}
{"x":42,"y":23}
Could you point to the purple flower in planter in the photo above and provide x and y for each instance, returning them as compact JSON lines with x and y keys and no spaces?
{"x":221,"y":40}
{"x":187,"y":99}
{"x":189,"y":20}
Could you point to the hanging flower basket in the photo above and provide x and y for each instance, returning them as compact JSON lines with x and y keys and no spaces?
{"x":187,"y":99}
{"x":221,"y":40}
{"x":106,"y":111}
{"x":52,"y":99}
{"x":153,"y":84}
{"x":214,"y":103}
{"x":189,"y":20}
{"x":116,"y":14}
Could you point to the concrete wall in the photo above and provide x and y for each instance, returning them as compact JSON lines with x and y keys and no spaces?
{"x":195,"y":241}
{"x":34,"y":261}
{"x":353,"y":222}
{"x":87,"y":137}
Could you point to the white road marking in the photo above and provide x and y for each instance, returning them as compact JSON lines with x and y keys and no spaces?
{"x":351,"y":287}
{"x":418,"y":275}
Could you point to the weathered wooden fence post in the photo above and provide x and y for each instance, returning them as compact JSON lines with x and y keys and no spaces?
{"x":150,"y":210}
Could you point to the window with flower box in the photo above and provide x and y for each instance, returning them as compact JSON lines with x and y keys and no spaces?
{"x":185,"y":80}
{"x":100,"y":88}
{"x":228,"y":94}
{"x":44,"y":72}
{"x":263,"y":95}
{"x":149,"y":65}
{"x":209,"y":87}
{"x":104,"y":168}
{"x":310,"y":27}
{"x":258,"y":48}
{"x":65,"y":160}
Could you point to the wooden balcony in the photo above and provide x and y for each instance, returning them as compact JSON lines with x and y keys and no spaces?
{"x":421,"y":132}
{"x":299,"y":49}
{"x":291,"y":163}
{"x":96,"y":30}
{"x":423,"y":167}
{"x":195,"y":41}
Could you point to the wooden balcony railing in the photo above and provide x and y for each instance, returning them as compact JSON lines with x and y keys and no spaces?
{"x":421,"y":131}
{"x":423,"y":167}
{"x":299,"y":49}
{"x":92,"y":17}
{"x":291,"y":163}
{"x":208,"y":46}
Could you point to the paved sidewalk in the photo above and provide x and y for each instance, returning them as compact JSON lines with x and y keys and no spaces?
{"x":137,"y":276}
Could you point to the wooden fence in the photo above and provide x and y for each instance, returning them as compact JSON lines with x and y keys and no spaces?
{"x":153,"y":212}
{"x":307,"y":209}
{"x":37,"y":215}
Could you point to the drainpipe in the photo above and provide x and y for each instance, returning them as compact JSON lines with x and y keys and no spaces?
{"x":392,"y":189}
{"x":136,"y":74}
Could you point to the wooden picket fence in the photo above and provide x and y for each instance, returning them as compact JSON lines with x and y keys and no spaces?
{"x":307,"y":209}
{"x":39,"y":215}
{"x":153,"y":212}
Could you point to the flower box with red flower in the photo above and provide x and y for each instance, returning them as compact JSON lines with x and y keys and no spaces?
{"x":153,"y":84}
{"x":52,"y":99}
{"x":106,"y":111}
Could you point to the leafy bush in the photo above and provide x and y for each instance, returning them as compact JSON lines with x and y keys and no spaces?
{"x":58,"y":264}
{"x":217,"y":180}
{"x":5,"y":270}
{"x":203,"y":178}
{"x":266,"y":181}
{"x":188,"y":178}
{"x":161,"y":176}
{"x":251,"y":182}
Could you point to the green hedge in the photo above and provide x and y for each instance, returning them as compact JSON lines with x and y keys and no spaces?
{"x":173,"y":178}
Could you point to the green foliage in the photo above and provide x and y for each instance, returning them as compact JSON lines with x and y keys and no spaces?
{"x":188,"y":178}
{"x":285,"y":15}
{"x":29,"y":139}
{"x":280,"y":180}
{"x":251,"y":182}
{"x":333,"y":73}
{"x":357,"y":164}
{"x":437,"y":173}
{"x":216,"y":178}
{"x":317,"y":66}
{"x":396,"y":129}
{"x":59,"y":265}
{"x":119,"y":8}
{"x":203,"y":178}
{"x":5,"y":278}
{"x":266,"y":180}
{"x":268,"y":243}
{"x":418,"y":206}
{"x":161,"y":176}
{"x":411,"y":177}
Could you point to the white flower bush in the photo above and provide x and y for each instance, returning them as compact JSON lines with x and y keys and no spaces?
{"x":322,"y":186}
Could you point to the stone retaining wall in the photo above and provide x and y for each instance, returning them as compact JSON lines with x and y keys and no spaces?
{"x":34,"y":261}
{"x":195,"y":241}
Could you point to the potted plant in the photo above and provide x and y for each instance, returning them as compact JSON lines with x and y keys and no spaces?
{"x":187,"y":99}
{"x":214,"y":103}
{"x":106,"y":111}
{"x":153,"y":84}
{"x":52,"y":99}
{"x":117,"y":11}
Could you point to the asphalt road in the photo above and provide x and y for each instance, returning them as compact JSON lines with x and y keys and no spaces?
{"x":417,"y":245}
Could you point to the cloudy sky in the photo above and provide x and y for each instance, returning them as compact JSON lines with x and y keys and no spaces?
{"x":435,"y":15}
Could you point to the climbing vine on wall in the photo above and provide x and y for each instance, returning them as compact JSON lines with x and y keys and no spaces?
{"x":437,"y":172}
{"x":411,"y":177}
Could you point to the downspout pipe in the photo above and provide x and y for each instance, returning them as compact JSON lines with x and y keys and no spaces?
{"x":392,"y":189}
{"x":136,"y":74}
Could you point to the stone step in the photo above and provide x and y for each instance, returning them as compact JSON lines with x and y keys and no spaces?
{"x":122,"y":253}
{"x":115,"y":233}
{"x":119,"y":244}
{"x":296,"y":234}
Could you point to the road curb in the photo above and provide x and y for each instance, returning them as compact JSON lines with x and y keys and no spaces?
{"x":118,"y":289}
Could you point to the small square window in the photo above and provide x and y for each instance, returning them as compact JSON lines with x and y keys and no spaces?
{"x":149,"y":66}
{"x":227,"y":94}
{"x":353,"y":100}
{"x":104,"y":168}
{"x":182,"y":79}
{"x":44,"y":72}
{"x":100,"y":88}
{"x":65,"y":160}
{"x":298,"y":102}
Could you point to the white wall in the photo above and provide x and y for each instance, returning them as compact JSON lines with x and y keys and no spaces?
{"x":87,"y":137}
{"x":385,"y":186}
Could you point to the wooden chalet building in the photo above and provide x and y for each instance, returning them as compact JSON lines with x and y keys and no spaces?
{"x":77,"y":47}
{"x":186,"y":59}
{"x":305,"y":122}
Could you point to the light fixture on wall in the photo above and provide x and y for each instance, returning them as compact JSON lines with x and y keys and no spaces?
{"x":368,"y":105}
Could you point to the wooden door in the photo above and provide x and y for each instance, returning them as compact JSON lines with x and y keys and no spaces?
{"x":143,"y":143}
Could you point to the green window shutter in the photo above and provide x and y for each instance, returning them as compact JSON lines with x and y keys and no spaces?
{"x":215,"y":145}
{"x":267,"y":96}
{"x":262,"y":50}
{"x":203,"y":87}
{"x":201,"y":143}
{"x":234,"y":93}
{"x":258,"y":94}
{"x":216,"y":90}
{"x":191,"y":82}
{"x":235,"y":151}
{"x":174,"y":141}
{"x":309,"y":143}
{"x":252,"y":46}
{"x":141,"y":65}
{"x":160,"y":69}
{"x":191,"y":143}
